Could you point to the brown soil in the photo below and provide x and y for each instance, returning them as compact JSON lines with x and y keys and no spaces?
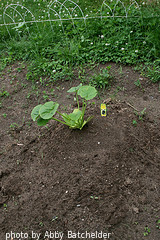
{"x":103,"y":178}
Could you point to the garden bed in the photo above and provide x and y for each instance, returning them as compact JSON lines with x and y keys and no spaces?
{"x":102,"y":178}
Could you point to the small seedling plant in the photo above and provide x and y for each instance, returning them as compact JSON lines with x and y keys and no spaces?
{"x":147,"y":231}
{"x":75,"y":120}
{"x":142,"y":114}
{"x":158,"y":224}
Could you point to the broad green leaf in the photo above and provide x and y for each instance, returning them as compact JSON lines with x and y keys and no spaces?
{"x":67,"y":119}
{"x":74,"y":89}
{"x":48,"y":110}
{"x":87,"y":92}
{"x":42,"y":122}
{"x":75,"y":115}
{"x":35,"y":112}
{"x":72,"y":122}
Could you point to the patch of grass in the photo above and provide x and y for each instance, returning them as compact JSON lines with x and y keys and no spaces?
{"x":153,"y":71}
{"x":56,"y":53}
{"x":103,"y":79}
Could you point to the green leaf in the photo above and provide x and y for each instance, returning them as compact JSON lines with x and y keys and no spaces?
{"x":75,"y":115}
{"x":72,"y":118}
{"x":35,"y":112}
{"x":74,"y":89}
{"x":67,"y":119}
{"x":42,"y":122}
{"x":87,"y":92}
{"x":48,"y":110}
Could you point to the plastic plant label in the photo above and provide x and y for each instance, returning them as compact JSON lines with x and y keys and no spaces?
{"x":103,"y":110}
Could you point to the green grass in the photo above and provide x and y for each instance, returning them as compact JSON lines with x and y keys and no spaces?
{"x":55,"y":53}
{"x":103,"y":79}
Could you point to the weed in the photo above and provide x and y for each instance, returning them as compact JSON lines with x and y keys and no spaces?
{"x":45,"y":96}
{"x":131,"y":150}
{"x":19,"y":69}
{"x":94,"y":197}
{"x":9,"y":70}
{"x":23,"y":85}
{"x":81,"y":74}
{"x":134,"y":123}
{"x":43,"y":113}
{"x":41,"y":224}
{"x":58,"y":88}
{"x":54,"y":218}
{"x":158,"y":224}
{"x":137,"y":83}
{"x":4,"y":94}
{"x":141,"y":115}
{"x":52,"y":90}
{"x":5,"y":206}
{"x":13,"y":126}
{"x":147,"y":231}
{"x":28,"y":96}
{"x":34,"y":87}
{"x":103,"y":79}
{"x":4,"y":115}
{"x":120,"y":70}
{"x":37,"y":94}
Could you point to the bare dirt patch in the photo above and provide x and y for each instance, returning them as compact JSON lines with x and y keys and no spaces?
{"x":103,"y":178}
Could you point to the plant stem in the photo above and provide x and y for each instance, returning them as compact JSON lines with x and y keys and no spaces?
{"x":60,"y":121}
{"x":63,"y":115}
{"x":83,"y":109}
{"x":77,"y":99}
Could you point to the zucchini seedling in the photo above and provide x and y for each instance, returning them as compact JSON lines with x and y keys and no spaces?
{"x":75,"y":120}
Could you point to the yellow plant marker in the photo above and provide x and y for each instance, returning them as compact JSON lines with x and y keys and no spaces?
{"x":103,"y":110}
